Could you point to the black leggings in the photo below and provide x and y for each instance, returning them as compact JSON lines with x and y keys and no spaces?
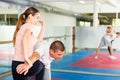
{"x":36,"y":70}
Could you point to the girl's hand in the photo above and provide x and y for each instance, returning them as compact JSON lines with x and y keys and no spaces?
{"x":23,"y":68}
{"x":41,"y":22}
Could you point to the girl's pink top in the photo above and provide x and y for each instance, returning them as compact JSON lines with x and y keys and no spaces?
{"x":19,"y":51}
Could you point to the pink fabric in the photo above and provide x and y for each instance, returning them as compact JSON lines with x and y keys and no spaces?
{"x":6,"y":54}
{"x":19,"y":53}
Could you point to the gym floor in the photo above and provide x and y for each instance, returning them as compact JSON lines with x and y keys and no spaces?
{"x":80,"y":65}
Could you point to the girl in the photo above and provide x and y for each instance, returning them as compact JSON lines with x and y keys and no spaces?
{"x":24,"y":41}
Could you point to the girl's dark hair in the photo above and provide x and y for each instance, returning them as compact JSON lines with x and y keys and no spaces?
{"x":57,"y":45}
{"x":22,"y":20}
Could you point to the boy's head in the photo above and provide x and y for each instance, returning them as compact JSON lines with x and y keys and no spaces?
{"x":109,"y":29}
{"x":117,"y":34}
{"x":57,"y":49}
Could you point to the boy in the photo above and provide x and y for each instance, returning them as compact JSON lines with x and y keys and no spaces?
{"x":107,"y":40}
{"x":46,"y":53}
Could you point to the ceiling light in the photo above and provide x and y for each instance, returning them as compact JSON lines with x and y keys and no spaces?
{"x":82,"y":2}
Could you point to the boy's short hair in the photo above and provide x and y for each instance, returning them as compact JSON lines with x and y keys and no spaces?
{"x":57,"y":45}
{"x":109,"y":27}
{"x":117,"y":32}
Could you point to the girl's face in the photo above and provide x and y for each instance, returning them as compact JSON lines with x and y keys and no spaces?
{"x":35,"y":18}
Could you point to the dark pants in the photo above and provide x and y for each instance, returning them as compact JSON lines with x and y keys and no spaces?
{"x":109,"y":47}
{"x":36,"y":70}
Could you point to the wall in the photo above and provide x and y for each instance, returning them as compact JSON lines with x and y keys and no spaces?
{"x":6,"y":34}
{"x":58,"y":20}
{"x":89,"y":37}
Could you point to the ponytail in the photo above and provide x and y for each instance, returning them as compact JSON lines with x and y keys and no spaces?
{"x":20,"y":22}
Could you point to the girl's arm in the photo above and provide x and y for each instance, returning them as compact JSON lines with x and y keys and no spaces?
{"x":26,"y":45}
{"x":41,"y":34}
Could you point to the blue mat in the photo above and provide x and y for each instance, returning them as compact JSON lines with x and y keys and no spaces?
{"x":66,"y":61}
{"x":7,"y":78}
{"x":73,"y":76}
{"x":4,"y":69}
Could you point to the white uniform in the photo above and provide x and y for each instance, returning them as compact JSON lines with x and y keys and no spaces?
{"x":43,"y":49}
{"x":107,"y":39}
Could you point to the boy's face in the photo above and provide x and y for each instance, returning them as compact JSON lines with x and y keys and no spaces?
{"x":56,"y":54}
{"x":109,"y":30}
{"x":118,"y":35}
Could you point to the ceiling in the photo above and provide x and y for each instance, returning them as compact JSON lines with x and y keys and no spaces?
{"x":84,"y":6}
{"x":107,"y":9}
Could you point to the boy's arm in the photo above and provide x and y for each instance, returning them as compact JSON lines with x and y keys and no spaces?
{"x":35,"y":56}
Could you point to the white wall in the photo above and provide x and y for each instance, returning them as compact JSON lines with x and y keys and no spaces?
{"x":89,"y":37}
{"x":58,"y":20}
{"x":6,"y":34}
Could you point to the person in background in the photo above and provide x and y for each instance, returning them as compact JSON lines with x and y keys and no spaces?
{"x":24,"y":41}
{"x":107,"y":40}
